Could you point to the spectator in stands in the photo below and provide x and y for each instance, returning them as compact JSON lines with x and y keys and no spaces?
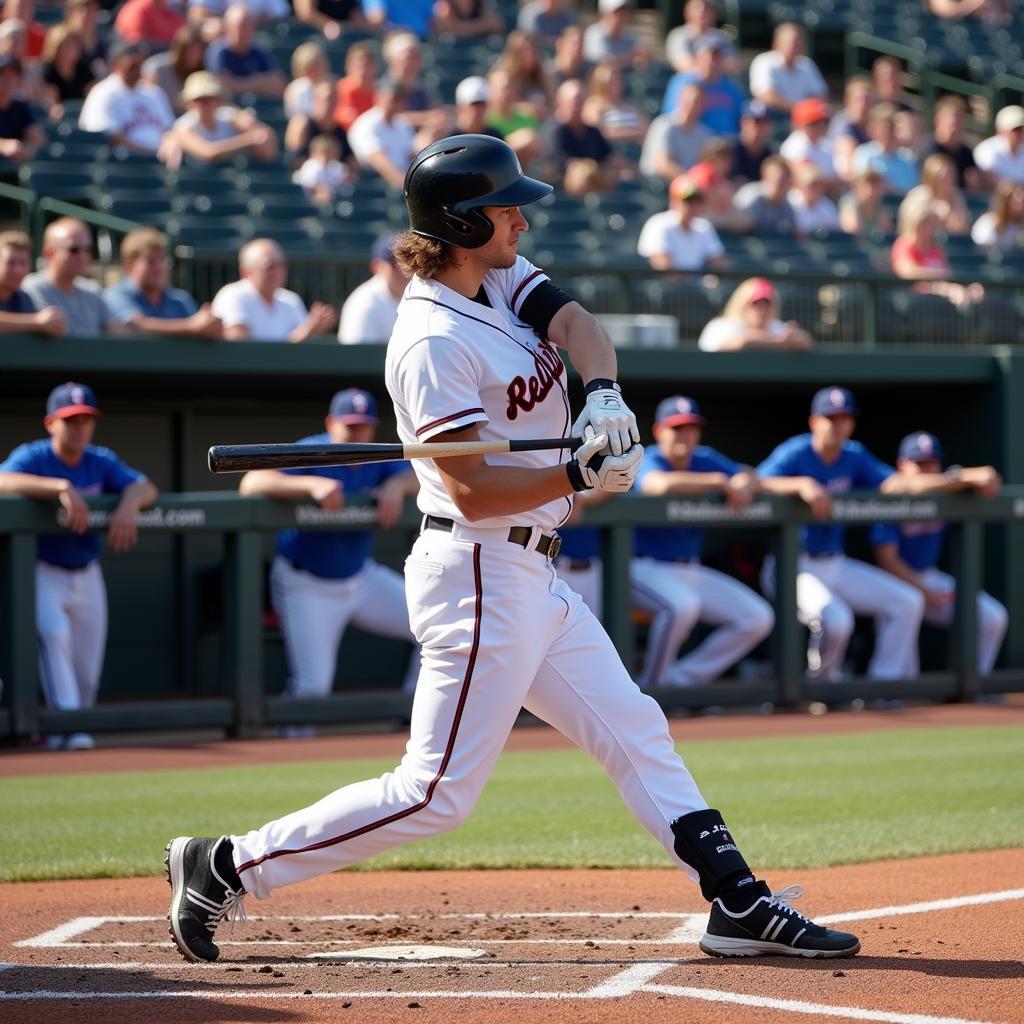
{"x":753,"y":146}
{"x":546,"y":20}
{"x":610,"y":38}
{"x":414,"y":16}
{"x":66,"y":75}
{"x":323,"y":174}
{"x":887,"y":82}
{"x":471,"y":98}
{"x":948,"y":138}
{"x":521,"y":59}
{"x":785,"y":75}
{"x":699,"y":21}
{"x":241,"y":65}
{"x":862,"y":210}
{"x":211,"y":130}
{"x":809,"y":199}
{"x":258,"y":307}
{"x":848,"y":128}
{"x":20,"y":136}
{"x":14,"y":46}
{"x":67,"y":253}
{"x":369,"y":313}
{"x":766,"y":202}
{"x":568,"y":61}
{"x":995,"y":12}
{"x":917,"y":256}
{"x":466,"y":19}
{"x":142,"y":300}
{"x":750,"y":320}
{"x":938,"y":186}
{"x":25,"y":12}
{"x":577,"y":151}
{"x":71,"y":600}
{"x":303,"y":128}
{"x":1001,"y":157}
{"x":17,"y":311}
{"x":309,"y":69}
{"x":330,"y":16}
{"x":809,"y":141}
{"x":148,"y":21}
{"x":169,"y":70}
{"x":82,"y":17}
{"x":680,"y":238}
{"x":674,"y":142}
{"x":211,"y":14}
{"x":403,"y":57}
{"x":1002,"y":227}
{"x":382,"y":139}
{"x":884,"y":153}
{"x":516,"y":121}
{"x":723,"y":102}
{"x":355,"y":91}
{"x":618,"y":119}
{"x":710,"y":175}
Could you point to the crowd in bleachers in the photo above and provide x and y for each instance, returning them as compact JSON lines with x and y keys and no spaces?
{"x":224,"y":122}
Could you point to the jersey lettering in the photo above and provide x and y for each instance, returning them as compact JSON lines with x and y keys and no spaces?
{"x":524,"y":395}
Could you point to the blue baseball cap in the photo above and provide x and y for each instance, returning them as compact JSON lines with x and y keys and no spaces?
{"x":834,"y":402}
{"x":353,"y":405}
{"x":71,"y":399}
{"x":677,"y":411}
{"x":920,"y":446}
{"x":384,"y":248}
{"x":758,"y":110}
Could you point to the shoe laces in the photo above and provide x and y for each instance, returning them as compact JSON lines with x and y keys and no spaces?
{"x":231,"y":908}
{"x":781,"y":900}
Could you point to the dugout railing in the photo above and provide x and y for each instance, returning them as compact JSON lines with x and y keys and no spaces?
{"x":244,"y":708}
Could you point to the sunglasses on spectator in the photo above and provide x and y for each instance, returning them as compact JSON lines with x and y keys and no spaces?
{"x":76,"y":249}
{"x":761,"y":302}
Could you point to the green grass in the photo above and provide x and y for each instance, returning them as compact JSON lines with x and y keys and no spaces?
{"x":792,"y":802}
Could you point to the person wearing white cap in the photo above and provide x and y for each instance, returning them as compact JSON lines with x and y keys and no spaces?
{"x":1002,"y":155}
{"x":609,"y":38}
{"x":471,"y":98}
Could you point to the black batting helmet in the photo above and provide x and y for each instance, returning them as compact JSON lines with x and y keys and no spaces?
{"x":448,"y":182}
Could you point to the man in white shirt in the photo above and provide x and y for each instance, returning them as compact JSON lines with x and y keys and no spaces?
{"x":809,"y":141}
{"x":785,"y":75}
{"x":678,"y":239}
{"x":369,"y":313}
{"x":1002,"y":156}
{"x":382,"y":139}
{"x":259,"y":308}
{"x":133,"y":114}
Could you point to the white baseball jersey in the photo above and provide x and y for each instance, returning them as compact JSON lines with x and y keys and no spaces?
{"x":453,"y":362}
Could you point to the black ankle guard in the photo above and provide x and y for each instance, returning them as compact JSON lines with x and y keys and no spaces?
{"x":704,"y":842}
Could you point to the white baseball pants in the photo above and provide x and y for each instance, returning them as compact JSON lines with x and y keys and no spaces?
{"x":499,"y":631}
{"x":586,"y":582}
{"x":71,"y":627}
{"x":832,"y":589}
{"x":314,"y":613}
{"x":679,"y":595}
{"x":992,"y":617}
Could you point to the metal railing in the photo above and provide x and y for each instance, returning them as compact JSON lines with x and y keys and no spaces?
{"x":245,"y":709}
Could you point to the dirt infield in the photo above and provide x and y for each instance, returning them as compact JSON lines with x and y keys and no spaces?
{"x":942,"y":938}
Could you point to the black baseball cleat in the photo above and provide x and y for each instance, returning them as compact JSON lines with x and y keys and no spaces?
{"x":771,"y":927}
{"x":204,"y":890}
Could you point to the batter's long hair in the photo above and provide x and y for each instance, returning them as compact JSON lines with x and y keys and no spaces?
{"x":421,"y":256}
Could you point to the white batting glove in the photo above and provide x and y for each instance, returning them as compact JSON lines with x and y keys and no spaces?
{"x":589,"y":470}
{"x":608,"y":414}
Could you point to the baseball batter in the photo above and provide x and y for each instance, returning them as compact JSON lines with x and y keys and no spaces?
{"x":910,"y":551}
{"x":667,"y":577}
{"x":71,"y":599}
{"x":475,"y":354}
{"x":323,"y":580}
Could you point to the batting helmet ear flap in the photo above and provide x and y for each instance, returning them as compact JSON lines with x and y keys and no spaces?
{"x":472,"y":226}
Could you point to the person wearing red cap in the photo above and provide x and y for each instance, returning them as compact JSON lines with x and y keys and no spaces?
{"x":679,"y":238}
{"x":809,"y":140}
{"x":751,"y":320}
{"x":71,"y":600}
{"x":785,"y":75}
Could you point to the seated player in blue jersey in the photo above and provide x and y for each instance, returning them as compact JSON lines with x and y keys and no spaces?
{"x":71,"y":599}
{"x":323,"y":580}
{"x":667,"y":577}
{"x":579,"y":560}
{"x":910,"y":551}
{"x":831,"y":588}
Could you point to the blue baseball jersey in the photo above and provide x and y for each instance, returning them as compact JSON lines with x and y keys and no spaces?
{"x":336,"y":555}
{"x":855,"y":467}
{"x":100,"y":471}
{"x":580,"y":542}
{"x":676,"y":543}
{"x":920,"y":544}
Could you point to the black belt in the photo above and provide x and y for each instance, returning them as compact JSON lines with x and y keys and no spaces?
{"x":67,"y":568}
{"x":548,"y":544}
{"x":579,"y":564}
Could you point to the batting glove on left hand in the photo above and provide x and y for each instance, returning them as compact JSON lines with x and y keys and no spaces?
{"x":590,"y":470}
{"x":607,"y":413}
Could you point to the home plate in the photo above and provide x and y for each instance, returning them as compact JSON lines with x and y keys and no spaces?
{"x":405,"y":953}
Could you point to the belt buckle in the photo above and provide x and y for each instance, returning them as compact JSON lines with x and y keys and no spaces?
{"x":555,"y":546}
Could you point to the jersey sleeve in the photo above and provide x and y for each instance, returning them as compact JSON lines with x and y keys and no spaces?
{"x":781,"y":462}
{"x":117,"y":474}
{"x":21,"y":460}
{"x":872,"y":472}
{"x":884,"y":533}
{"x":517,"y":283}
{"x":540,"y":306}
{"x":721,"y":463}
{"x":440,"y":385}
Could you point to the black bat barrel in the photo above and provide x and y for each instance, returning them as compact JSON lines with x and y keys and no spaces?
{"x":240,"y":458}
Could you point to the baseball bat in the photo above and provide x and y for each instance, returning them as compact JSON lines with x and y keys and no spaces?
{"x":238,"y":458}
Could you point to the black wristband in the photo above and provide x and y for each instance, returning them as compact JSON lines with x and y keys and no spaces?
{"x":575,"y":475}
{"x":600,"y":384}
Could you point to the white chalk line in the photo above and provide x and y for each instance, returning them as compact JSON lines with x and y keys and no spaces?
{"x":925,"y":908}
{"x":596,"y":940}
